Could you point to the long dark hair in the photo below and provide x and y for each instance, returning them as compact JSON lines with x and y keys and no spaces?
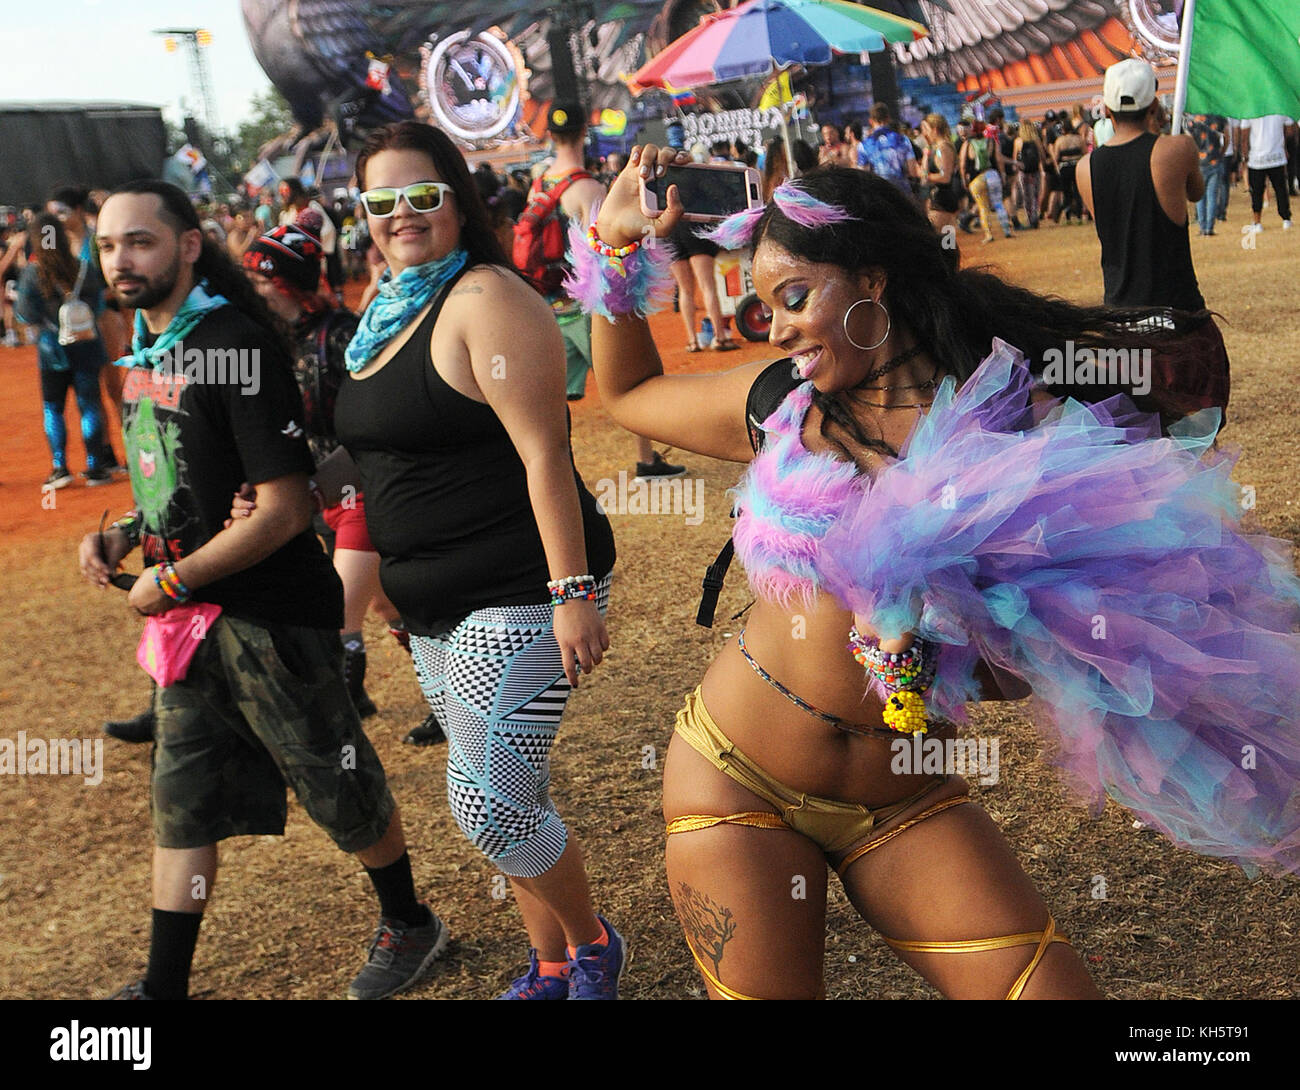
{"x":477,"y":235}
{"x":214,"y":264}
{"x":953,"y":313}
{"x":56,"y":267}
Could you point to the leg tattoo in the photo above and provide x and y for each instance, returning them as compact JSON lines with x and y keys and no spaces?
{"x":709,"y":926}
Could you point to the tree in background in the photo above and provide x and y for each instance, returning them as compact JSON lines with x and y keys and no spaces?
{"x":269,"y":117}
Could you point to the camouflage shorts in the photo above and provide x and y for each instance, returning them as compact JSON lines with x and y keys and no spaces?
{"x":261,"y":707}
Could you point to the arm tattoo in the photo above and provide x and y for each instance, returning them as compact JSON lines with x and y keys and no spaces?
{"x":709,"y":926}
{"x":468,"y":289}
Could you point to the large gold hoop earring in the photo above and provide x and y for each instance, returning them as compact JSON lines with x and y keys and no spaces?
{"x":888,"y":325}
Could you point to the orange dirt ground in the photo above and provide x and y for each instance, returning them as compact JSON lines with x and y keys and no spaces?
{"x":291,"y":916}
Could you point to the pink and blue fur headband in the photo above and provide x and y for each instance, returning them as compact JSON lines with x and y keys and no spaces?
{"x":735,"y":232}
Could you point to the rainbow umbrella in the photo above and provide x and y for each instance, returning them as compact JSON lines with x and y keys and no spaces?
{"x":760,"y":36}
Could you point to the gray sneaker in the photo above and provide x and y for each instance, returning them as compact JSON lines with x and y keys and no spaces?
{"x":399,"y":956}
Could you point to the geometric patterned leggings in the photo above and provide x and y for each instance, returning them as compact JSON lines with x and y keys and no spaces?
{"x":496,"y":683}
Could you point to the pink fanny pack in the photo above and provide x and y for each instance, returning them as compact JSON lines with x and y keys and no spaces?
{"x":170,"y":640}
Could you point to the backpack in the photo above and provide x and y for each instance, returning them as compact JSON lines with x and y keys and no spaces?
{"x":771,"y":388}
{"x":983,"y":153}
{"x":1029,"y":157}
{"x":540,"y":242}
{"x":76,"y":319}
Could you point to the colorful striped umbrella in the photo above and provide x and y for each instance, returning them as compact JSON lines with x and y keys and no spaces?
{"x":761,"y":35}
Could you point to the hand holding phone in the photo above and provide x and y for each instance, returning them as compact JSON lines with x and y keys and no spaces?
{"x":622,"y":219}
{"x":709,"y":191}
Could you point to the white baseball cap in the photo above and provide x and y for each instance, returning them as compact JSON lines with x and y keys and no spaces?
{"x":1130,"y":85}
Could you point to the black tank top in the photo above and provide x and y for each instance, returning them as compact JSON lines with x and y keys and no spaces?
{"x":447,"y":502}
{"x":1146,"y":258}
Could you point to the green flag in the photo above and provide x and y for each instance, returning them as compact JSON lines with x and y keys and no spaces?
{"x":1245,"y":58}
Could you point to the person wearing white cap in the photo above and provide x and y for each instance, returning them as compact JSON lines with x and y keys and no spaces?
{"x":1137,"y":187}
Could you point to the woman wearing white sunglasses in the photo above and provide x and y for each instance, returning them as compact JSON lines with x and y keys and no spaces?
{"x":493,"y":549}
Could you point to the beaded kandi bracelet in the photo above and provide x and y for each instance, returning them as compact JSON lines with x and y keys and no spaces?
{"x":571,"y":588}
{"x":613,"y":254}
{"x":164,"y":575}
{"x":615,"y":281}
{"x":900,"y":678}
{"x":911,"y":670}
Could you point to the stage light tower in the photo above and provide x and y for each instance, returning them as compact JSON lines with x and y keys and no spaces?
{"x":196,"y":41}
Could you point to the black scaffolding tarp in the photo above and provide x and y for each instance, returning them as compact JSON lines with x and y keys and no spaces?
{"x":94,"y":144}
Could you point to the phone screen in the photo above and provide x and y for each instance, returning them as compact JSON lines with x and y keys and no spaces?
{"x":714,"y":194}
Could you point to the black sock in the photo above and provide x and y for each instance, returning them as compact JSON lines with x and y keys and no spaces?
{"x":171,"y":950}
{"x":396,"y":891}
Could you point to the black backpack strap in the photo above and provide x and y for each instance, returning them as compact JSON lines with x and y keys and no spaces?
{"x":771,"y":388}
{"x":713,"y":584}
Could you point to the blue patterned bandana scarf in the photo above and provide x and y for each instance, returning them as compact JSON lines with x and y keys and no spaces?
{"x":400,"y":298}
{"x":196,"y":306}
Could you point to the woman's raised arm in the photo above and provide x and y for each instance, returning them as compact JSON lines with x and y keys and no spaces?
{"x":700,"y":413}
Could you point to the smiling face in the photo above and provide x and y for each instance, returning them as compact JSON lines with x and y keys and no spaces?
{"x":808,"y":302}
{"x":408,"y":237}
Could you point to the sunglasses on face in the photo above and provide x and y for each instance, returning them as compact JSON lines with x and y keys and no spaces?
{"x":423,"y":197}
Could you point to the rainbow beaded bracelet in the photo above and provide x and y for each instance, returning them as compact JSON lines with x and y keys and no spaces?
{"x":164,"y":575}
{"x":615,"y":254}
{"x":616,"y":281}
{"x":912,"y":669}
{"x":571,"y":588}
{"x":899,"y":677}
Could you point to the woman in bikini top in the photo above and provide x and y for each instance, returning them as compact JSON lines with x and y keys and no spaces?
{"x":783,"y":761}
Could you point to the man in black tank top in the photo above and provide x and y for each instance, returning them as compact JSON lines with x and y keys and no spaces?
{"x":1130,"y":185}
{"x":1137,"y":186}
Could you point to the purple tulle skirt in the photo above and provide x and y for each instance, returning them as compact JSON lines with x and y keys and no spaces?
{"x":1075,"y":548}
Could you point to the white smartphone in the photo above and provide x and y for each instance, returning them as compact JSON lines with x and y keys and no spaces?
{"x":709,"y":191}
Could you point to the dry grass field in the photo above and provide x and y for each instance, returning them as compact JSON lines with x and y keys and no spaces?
{"x":291,"y":916}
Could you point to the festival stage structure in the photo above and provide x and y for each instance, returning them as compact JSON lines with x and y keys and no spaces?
{"x":101,"y":144}
{"x":486,"y":70}
{"x":481,"y":69}
{"x":1036,"y":55}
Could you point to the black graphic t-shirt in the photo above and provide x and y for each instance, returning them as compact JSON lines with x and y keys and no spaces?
{"x":226,"y":411}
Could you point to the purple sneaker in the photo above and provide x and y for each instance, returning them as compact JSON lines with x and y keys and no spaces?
{"x":595,"y":970}
{"x":534,"y":986}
